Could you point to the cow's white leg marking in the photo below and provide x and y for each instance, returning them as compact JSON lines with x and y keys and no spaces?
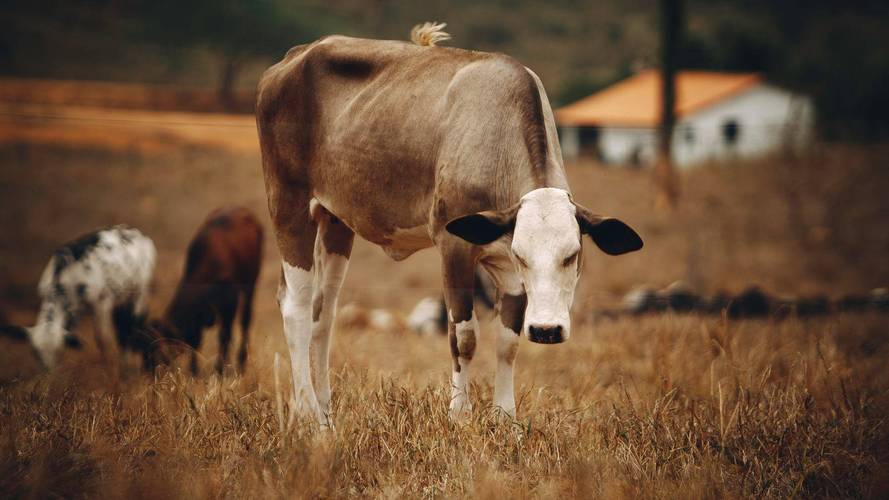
{"x":140,"y":304}
{"x":461,"y":406}
{"x":331,"y":270}
{"x":296,"y":311}
{"x":507,"y":348}
{"x":509,"y":289}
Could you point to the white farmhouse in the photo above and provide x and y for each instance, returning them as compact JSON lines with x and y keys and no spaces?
{"x":718,"y":116}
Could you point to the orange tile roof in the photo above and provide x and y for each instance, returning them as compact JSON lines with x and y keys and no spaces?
{"x":635,"y":102}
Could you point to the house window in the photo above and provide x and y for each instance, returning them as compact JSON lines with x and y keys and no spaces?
{"x":731,"y":130}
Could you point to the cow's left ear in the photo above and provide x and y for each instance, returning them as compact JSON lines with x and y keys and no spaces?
{"x":485,"y":227}
{"x":612,"y":236}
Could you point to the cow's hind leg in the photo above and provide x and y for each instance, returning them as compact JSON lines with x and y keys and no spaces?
{"x":124,"y":318}
{"x":246,"y":317}
{"x":227,"y":307}
{"x":295,"y":231}
{"x":137,"y":338}
{"x":333,"y":246}
{"x":106,"y":337}
{"x":458,"y":261}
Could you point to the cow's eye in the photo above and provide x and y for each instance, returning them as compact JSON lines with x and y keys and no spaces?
{"x":570,"y":260}
{"x":521,"y":261}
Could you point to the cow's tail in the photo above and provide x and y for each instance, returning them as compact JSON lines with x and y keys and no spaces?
{"x":429,"y":34}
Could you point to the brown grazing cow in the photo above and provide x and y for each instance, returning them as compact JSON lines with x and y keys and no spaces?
{"x":413,"y":146}
{"x":220,"y":272}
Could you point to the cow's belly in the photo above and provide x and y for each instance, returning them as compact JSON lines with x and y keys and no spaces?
{"x":400,"y":233}
{"x":402,"y":243}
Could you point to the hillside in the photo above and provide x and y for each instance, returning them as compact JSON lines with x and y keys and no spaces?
{"x":834,"y":52}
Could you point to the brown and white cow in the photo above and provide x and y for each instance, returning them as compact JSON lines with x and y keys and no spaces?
{"x":412,"y":146}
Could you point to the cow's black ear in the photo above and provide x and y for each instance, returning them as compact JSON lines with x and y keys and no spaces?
{"x":14,"y":332}
{"x":72,"y":342}
{"x":485,"y":227}
{"x":611,"y":235}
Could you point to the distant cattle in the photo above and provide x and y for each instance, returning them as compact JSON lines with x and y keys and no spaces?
{"x":412,"y":146}
{"x":221,"y":268}
{"x":717,"y":303}
{"x":752,"y":302}
{"x":677,"y":297}
{"x":108,"y":273}
{"x":430,"y":315}
{"x":816,"y":305}
{"x":853,"y":303}
{"x":641,"y":300}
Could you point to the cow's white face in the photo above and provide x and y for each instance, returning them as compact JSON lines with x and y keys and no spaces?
{"x":546,"y":228}
{"x":546,"y":252}
{"x":51,"y":334}
{"x":48,"y":335}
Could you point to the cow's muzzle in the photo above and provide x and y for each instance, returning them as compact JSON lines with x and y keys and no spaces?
{"x":546,"y":334}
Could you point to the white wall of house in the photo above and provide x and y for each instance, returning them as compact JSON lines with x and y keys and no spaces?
{"x":630,"y":146}
{"x":569,"y":141}
{"x":764,"y":119}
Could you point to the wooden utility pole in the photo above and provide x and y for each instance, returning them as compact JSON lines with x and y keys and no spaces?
{"x":665,"y":176}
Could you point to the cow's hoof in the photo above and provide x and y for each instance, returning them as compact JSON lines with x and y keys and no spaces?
{"x":325,"y":425}
{"x":504,"y":415}
{"x":460,"y":414}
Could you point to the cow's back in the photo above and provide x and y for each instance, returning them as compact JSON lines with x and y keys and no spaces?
{"x":227,"y":249}
{"x":362,"y":123}
{"x":117,"y":262}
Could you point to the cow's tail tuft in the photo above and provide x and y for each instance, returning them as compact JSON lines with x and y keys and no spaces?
{"x":429,"y":34}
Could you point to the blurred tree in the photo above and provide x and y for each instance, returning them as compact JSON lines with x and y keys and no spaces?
{"x":235,"y":30}
{"x":671,"y":33}
{"x":834,"y":51}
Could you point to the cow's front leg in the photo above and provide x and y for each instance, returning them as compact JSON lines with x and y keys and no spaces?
{"x":106,"y":337}
{"x":511,"y":312}
{"x":459,"y":279}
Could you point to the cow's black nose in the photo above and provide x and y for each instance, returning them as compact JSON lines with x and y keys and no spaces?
{"x":545,"y":334}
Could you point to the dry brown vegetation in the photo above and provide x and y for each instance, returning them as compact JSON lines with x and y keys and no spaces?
{"x":664,"y":407}
{"x":668,"y":406}
{"x":118,"y":95}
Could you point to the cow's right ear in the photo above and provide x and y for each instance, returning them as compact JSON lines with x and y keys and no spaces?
{"x":612,"y":236}
{"x":13,"y":332}
{"x":485,"y":227}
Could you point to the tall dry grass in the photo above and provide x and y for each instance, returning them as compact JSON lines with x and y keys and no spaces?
{"x":662,"y":407}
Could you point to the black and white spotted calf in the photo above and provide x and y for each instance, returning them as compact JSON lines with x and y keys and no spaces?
{"x":107,"y":273}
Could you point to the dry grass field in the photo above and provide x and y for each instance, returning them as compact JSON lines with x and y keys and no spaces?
{"x":663,"y":406}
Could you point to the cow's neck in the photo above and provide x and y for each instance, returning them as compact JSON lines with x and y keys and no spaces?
{"x":509,"y":193}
